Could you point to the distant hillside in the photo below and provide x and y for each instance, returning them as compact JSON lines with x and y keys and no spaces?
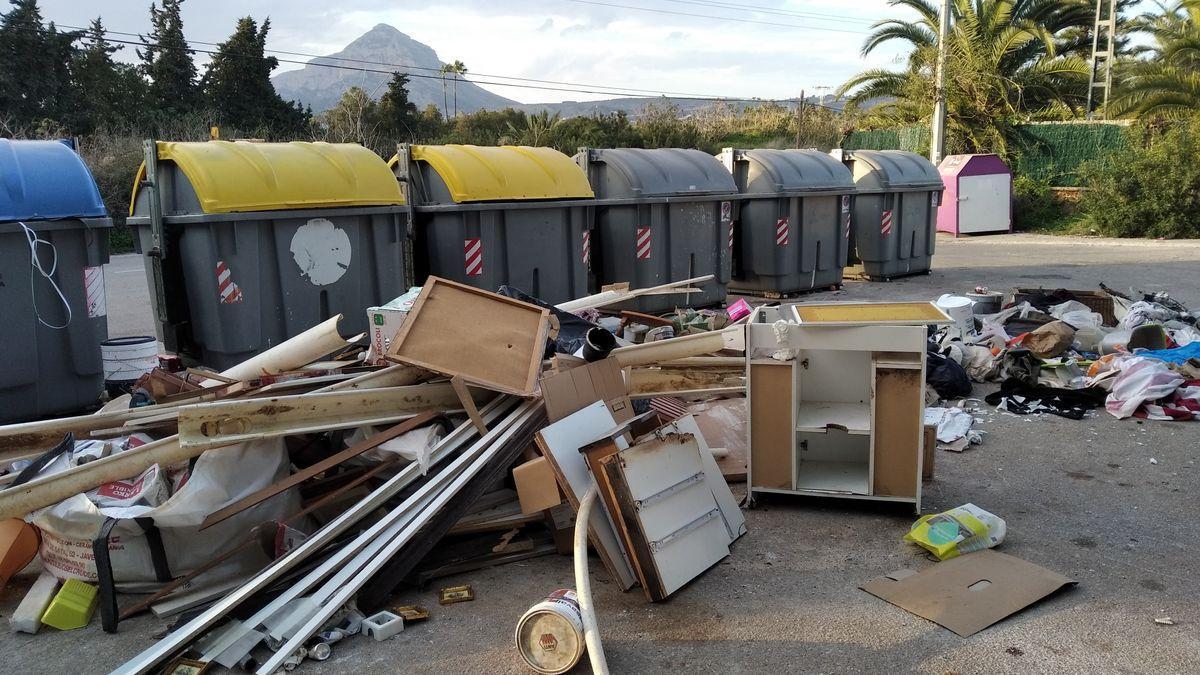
{"x":321,"y":87}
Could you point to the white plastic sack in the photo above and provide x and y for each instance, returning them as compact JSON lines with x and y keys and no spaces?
{"x":1140,"y":380}
{"x":219,"y":477}
{"x":415,"y":446}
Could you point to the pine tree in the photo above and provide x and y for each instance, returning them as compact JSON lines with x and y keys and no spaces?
{"x":399,"y":115}
{"x":34,"y":72}
{"x":237,"y":84}
{"x":106,"y":93}
{"x":167,"y":61}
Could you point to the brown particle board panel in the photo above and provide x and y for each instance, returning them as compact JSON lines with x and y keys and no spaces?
{"x":771,"y":425}
{"x":894,"y":313}
{"x":899,"y":431}
{"x":490,"y":340}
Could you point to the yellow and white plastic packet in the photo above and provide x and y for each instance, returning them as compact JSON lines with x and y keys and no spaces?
{"x":960,"y":530}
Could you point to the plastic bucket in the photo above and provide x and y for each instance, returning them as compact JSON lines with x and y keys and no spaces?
{"x":958,"y":308}
{"x":126,"y":359}
{"x":986,"y":303}
{"x":550,"y":635}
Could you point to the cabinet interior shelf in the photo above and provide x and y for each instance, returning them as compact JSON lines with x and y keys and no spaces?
{"x":819,"y":416}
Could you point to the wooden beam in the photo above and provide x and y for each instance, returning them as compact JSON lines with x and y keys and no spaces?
{"x":681,"y":347}
{"x":464,"y":397}
{"x":227,"y":422}
{"x":612,"y":297}
{"x":659,"y":380}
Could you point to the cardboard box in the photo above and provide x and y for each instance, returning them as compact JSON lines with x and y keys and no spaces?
{"x":536,"y":487}
{"x":384,"y":322}
{"x":572,"y":390}
{"x":971,"y":592}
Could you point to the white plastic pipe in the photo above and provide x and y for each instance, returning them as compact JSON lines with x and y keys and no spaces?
{"x":583,"y":585}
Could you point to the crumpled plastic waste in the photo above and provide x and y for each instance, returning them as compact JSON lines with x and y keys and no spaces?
{"x":1141,"y":380}
{"x":960,"y":530}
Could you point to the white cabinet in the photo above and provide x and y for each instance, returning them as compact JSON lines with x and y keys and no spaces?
{"x":836,"y":405}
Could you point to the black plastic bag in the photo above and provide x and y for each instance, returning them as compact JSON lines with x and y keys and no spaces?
{"x":572,"y":330}
{"x":946,"y":376}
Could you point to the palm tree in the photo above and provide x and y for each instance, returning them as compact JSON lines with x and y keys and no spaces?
{"x":535,"y":129}
{"x":459,"y":70}
{"x":445,"y":70}
{"x":1165,"y":81}
{"x":1007,"y":61}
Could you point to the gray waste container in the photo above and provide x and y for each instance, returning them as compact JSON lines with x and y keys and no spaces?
{"x":493,"y":216}
{"x":50,"y":343}
{"x":261,"y":241}
{"x":793,"y":225}
{"x":665,"y":215}
{"x":893,"y":229}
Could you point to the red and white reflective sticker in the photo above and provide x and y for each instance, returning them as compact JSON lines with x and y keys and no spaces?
{"x":587,"y":247}
{"x":93,"y":284}
{"x":643,"y":243}
{"x":885,"y":223}
{"x":473,"y":256}
{"x":228,"y":290}
{"x":731,"y":235}
{"x":781,"y":231}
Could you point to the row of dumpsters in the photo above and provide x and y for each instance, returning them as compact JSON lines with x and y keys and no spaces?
{"x":247,"y":243}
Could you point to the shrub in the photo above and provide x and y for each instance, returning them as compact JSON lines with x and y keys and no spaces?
{"x":1037,"y":207}
{"x":1151,"y":188}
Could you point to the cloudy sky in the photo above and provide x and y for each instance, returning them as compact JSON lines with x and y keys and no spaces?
{"x":774,"y":51}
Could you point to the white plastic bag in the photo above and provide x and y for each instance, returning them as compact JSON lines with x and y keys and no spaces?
{"x":219,"y":477}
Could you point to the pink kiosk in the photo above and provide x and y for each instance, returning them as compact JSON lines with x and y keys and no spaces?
{"x":978,"y":197}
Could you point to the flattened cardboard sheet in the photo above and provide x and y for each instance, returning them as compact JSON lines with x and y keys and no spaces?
{"x":971,"y":592}
{"x":572,"y":390}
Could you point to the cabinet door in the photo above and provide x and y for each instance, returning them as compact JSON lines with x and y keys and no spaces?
{"x":771,"y":433}
{"x":898,"y":432}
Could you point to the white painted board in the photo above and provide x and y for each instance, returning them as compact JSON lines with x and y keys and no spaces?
{"x":731,"y":514}
{"x":678,"y":513}
{"x":562,"y":440}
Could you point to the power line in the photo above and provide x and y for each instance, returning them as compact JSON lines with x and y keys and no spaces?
{"x":759,"y":9}
{"x":773,"y":24}
{"x":393,"y":68}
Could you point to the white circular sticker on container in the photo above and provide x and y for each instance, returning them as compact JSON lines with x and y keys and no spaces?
{"x":321,"y":251}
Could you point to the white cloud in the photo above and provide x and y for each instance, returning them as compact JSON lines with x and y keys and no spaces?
{"x":575,"y":42}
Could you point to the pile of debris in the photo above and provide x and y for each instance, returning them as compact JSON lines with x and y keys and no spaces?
{"x":1065,"y":353}
{"x":273,"y":509}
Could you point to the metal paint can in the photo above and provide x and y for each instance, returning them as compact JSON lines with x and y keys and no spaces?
{"x":550,"y":635}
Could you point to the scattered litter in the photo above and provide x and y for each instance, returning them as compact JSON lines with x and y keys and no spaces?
{"x":1164,"y":621}
{"x":960,"y":530}
{"x":455,"y":594}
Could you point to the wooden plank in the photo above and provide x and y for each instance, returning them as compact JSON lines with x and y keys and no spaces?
{"x":224,"y":422}
{"x":318,"y":468}
{"x":681,"y":347}
{"x":771,"y":433}
{"x":898,"y":432}
{"x":666,"y":379}
{"x":464,"y":397}
{"x":490,"y":340}
{"x":596,"y":454}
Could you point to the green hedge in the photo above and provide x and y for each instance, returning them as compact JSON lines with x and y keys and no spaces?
{"x":1051,"y":153}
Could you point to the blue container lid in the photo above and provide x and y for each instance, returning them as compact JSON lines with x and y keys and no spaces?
{"x":45,"y":180}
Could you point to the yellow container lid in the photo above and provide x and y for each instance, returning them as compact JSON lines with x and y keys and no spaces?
{"x":510,"y":172}
{"x":73,"y":606}
{"x":230,"y":176}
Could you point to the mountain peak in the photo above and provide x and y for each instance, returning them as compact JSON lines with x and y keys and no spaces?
{"x":321,"y":86}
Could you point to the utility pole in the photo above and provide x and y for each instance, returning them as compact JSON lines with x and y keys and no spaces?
{"x":1104,"y":53}
{"x":799,"y":118}
{"x":937,"y":139}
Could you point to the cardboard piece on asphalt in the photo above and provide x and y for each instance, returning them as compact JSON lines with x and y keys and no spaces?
{"x":971,"y":592}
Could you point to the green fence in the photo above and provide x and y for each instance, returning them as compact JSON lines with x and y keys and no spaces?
{"x":1051,"y":152}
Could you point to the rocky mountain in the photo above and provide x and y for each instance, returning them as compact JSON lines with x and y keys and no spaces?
{"x":321,"y":87}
